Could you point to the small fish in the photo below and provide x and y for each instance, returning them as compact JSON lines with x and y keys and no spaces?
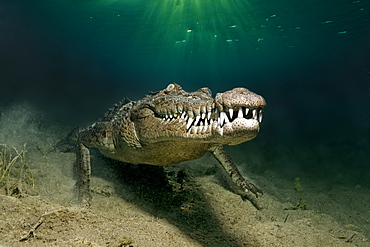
{"x":186,"y":206}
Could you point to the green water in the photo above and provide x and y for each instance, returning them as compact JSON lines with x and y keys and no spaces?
{"x":310,"y":60}
{"x":191,"y":41}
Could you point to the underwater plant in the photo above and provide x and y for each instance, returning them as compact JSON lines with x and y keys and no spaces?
{"x":298,"y":187}
{"x":14,"y":169}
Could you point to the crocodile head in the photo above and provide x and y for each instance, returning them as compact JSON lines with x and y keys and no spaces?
{"x":172,"y":114}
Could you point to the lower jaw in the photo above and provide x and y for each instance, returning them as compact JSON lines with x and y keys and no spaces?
{"x":229,"y":134}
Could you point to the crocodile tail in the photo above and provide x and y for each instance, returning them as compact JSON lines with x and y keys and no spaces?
{"x":68,"y":144}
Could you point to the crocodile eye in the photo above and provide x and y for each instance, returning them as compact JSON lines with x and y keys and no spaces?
{"x":170,"y":87}
{"x":205,"y":90}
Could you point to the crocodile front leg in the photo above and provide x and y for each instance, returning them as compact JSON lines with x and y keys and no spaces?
{"x":84,"y":173}
{"x":225,"y":160}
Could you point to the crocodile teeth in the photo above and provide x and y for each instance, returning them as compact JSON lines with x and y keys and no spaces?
{"x":221,"y":131}
{"x":231,"y":112}
{"x":227,"y":119}
{"x":196,"y":120}
{"x":204,"y":109}
{"x":223,"y":116}
{"x":217,"y":116}
{"x":260,"y":116}
{"x":209,"y":115}
{"x":246,"y":111}
{"x":190,"y":121}
{"x":209,"y":109}
{"x":240,"y":113}
{"x":201,"y":120}
{"x":194,"y":130}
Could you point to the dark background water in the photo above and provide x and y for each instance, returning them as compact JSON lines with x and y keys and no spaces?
{"x":309,"y":59}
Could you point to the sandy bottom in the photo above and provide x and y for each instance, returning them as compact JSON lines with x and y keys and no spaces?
{"x":189,"y":204}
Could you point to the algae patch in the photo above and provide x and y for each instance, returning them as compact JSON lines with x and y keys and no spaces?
{"x":298,"y":187}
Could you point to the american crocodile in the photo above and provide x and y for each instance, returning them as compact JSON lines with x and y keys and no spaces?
{"x":171,"y":126}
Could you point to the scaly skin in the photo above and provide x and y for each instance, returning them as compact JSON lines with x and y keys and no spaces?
{"x":171,"y":126}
